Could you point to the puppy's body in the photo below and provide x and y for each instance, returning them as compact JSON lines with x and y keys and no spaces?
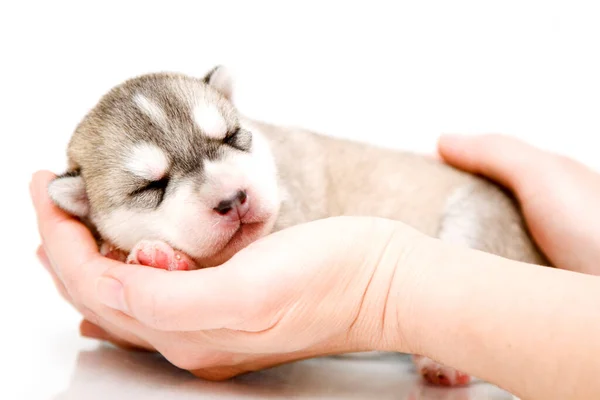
{"x":334,"y":177}
{"x":164,"y":162}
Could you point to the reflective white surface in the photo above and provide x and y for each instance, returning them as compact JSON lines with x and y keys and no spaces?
{"x":106,"y":372}
{"x":393,"y":73}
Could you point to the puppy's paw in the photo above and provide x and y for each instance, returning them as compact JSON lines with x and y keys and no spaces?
{"x":110,"y":251}
{"x":439,"y":374}
{"x":157,"y":254}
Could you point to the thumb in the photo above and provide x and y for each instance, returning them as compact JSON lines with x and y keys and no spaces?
{"x":211,"y":298}
{"x":503,"y":159}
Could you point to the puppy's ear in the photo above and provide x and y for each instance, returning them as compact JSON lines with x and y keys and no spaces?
{"x":220,"y":79}
{"x":67,"y":191}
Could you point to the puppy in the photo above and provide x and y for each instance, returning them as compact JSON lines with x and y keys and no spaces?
{"x":167,"y":173}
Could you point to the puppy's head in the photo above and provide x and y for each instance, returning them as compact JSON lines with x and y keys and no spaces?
{"x":167,"y":157}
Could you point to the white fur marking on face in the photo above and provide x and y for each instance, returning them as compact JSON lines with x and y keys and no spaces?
{"x":148,"y":161}
{"x":254,"y":172}
{"x":210,"y":120}
{"x":461,"y":221}
{"x":151,"y":109}
{"x":186,"y":219}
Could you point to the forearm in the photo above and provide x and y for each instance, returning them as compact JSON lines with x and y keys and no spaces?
{"x":532,"y":330}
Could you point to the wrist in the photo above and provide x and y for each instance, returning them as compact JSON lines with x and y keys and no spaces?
{"x":400,"y":316}
{"x":430,"y":290}
{"x":430,"y":303}
{"x":393,"y":257}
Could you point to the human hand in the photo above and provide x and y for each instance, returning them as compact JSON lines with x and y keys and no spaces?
{"x":559,"y":196}
{"x":304,"y":292}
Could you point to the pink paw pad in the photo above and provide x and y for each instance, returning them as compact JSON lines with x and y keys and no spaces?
{"x":160,"y":255}
{"x":438,"y":374}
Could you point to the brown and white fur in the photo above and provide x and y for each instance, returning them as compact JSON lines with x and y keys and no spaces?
{"x":168,"y":173}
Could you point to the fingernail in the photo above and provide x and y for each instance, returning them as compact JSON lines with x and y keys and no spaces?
{"x":111,"y":294}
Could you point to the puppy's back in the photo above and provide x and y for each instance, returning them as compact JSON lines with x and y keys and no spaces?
{"x":334,"y":177}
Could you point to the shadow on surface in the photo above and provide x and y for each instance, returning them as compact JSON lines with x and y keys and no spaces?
{"x":113,"y":373}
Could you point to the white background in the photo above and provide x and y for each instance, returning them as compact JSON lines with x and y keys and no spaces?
{"x":393,"y":73}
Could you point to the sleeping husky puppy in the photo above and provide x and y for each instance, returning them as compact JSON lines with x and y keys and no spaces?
{"x":166,"y":172}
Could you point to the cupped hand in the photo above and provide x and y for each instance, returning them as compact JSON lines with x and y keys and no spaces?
{"x":559,"y":196}
{"x":312,"y":290}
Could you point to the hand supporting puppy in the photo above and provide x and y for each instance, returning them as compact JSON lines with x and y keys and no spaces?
{"x":357,"y":284}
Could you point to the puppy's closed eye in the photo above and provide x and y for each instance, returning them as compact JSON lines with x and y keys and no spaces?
{"x":156,"y":189}
{"x":239,"y":139}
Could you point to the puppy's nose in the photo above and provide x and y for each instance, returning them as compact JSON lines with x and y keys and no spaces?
{"x":226,"y":206}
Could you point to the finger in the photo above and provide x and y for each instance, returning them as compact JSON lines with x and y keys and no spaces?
{"x":244,"y":363}
{"x":245,"y":293}
{"x":75,"y":268}
{"x":60,"y":231}
{"x":69,"y":245}
{"x":90,"y":330}
{"x":43,"y":258}
{"x":74,"y":255}
{"x":211,"y":298}
{"x":122,"y":331}
{"x":500,"y":158}
{"x":41,"y":254}
{"x":222,"y":373}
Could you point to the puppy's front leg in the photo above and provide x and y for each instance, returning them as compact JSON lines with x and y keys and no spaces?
{"x":150,"y":253}
{"x":157,"y":254}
